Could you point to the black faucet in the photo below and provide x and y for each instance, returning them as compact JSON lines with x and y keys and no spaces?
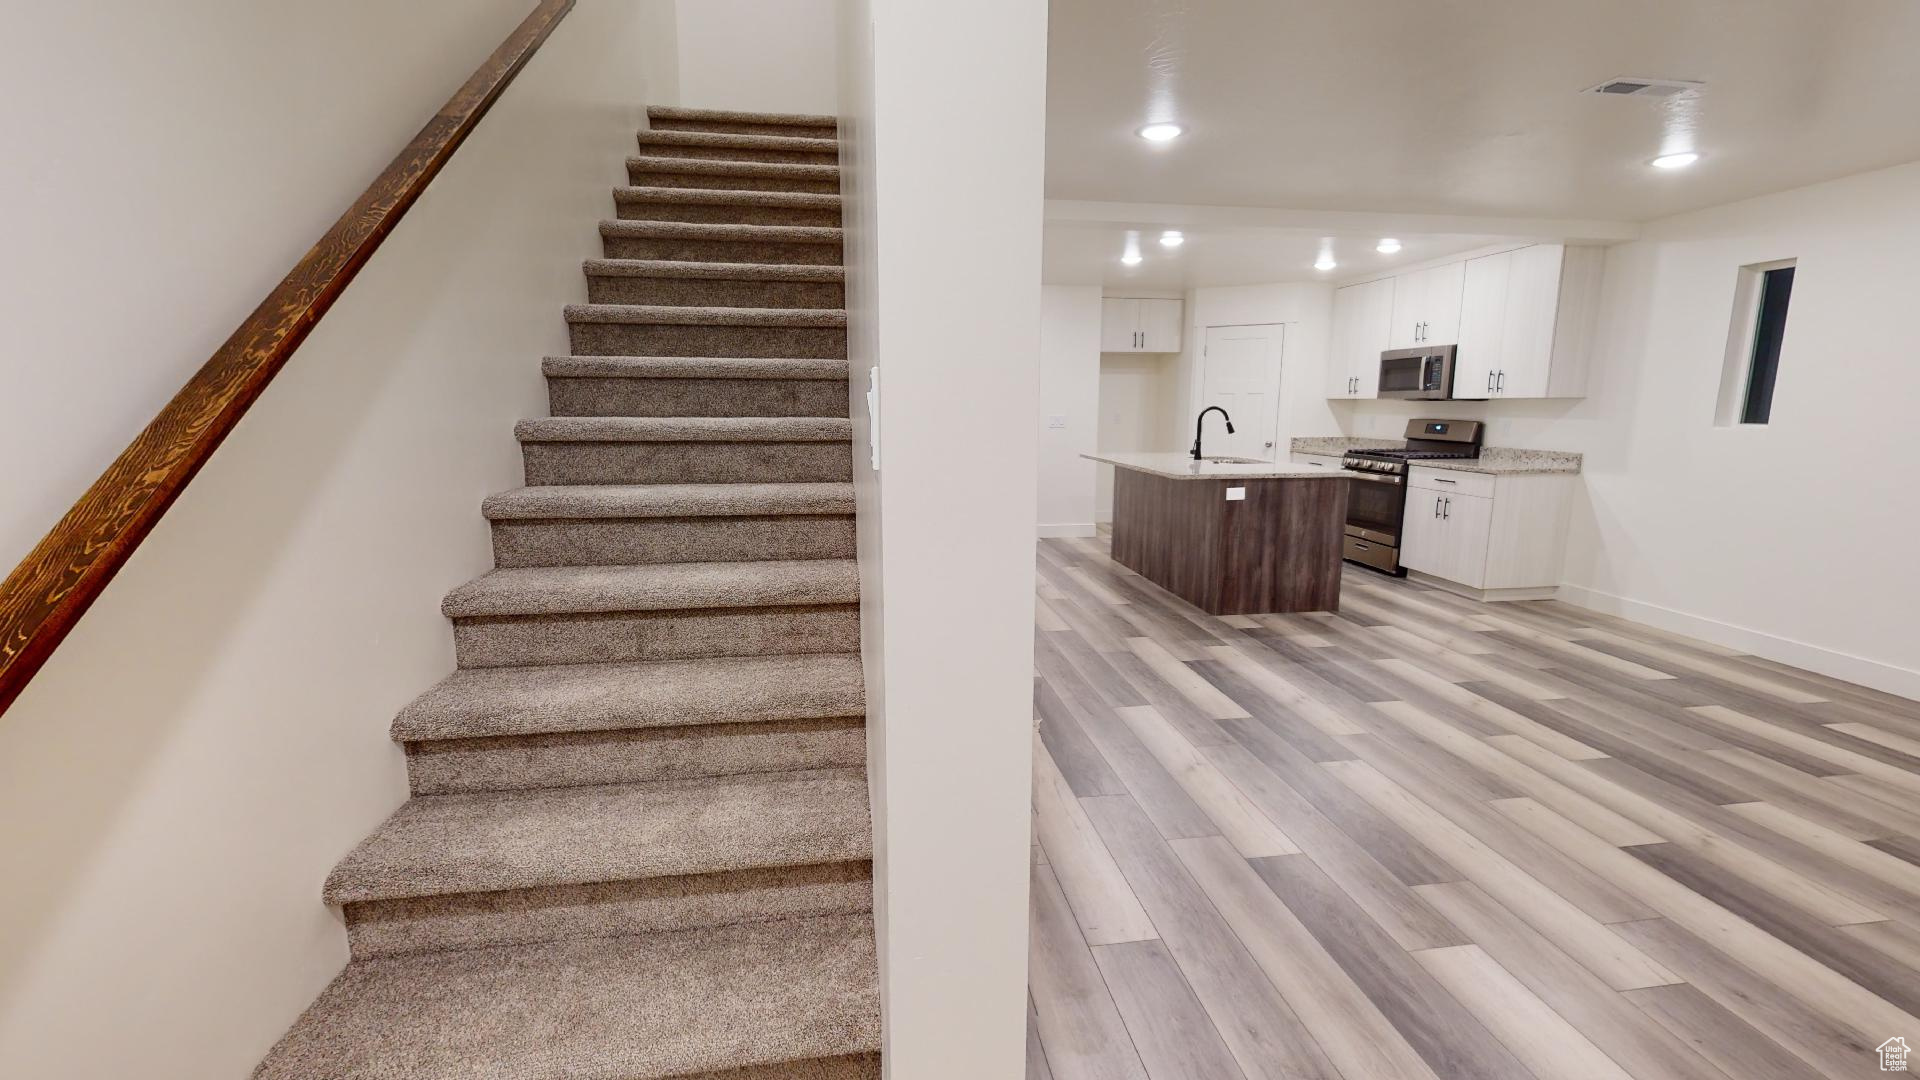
{"x":1198,"y":421}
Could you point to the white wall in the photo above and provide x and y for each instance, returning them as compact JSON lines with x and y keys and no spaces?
{"x":1070,"y":388}
{"x":762,"y":55}
{"x":178,"y":780}
{"x":946,"y":525}
{"x":1774,"y":539}
{"x":168,"y":163}
{"x":1140,"y":398}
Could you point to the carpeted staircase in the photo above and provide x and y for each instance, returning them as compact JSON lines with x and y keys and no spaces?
{"x":638,"y":844}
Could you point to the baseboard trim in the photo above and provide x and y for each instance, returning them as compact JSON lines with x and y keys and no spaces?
{"x":1487,"y":595}
{"x":1052,"y":531}
{"x":1854,"y":669}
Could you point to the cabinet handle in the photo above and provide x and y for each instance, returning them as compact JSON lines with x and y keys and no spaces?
{"x":1436,"y":506}
{"x":1501,"y":384}
{"x":1443,"y":480}
{"x":1489,"y":381}
{"x":1449,"y":513}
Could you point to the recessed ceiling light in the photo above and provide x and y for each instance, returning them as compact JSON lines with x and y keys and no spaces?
{"x":1325,"y":261}
{"x":1387,"y":246}
{"x":1161,"y":132}
{"x":1131,"y":258}
{"x":1674,"y":161}
{"x":1171,"y":238}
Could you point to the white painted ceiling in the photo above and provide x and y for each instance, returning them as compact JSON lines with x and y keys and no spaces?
{"x":1474,"y":106}
{"x":1088,"y":253}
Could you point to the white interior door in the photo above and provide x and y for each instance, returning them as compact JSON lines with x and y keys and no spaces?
{"x":1240,"y":372}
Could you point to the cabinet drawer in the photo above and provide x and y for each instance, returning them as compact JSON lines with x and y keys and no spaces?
{"x":1460,"y":483}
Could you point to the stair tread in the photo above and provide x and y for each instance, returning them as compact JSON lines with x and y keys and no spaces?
{"x":711,"y":167}
{"x":595,"y":501}
{"x":675,"y":112}
{"x":490,"y":702}
{"x":575,"y":590}
{"x":685,"y":429}
{"x":628,"y":1008}
{"x":489,"y":841}
{"x":720,"y":271}
{"x":705,"y":316}
{"x":731,"y":140}
{"x":725,"y":197}
{"x":692,"y":367}
{"x":700,"y":230}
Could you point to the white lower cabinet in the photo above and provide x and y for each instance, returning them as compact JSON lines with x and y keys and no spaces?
{"x":1446,"y":535}
{"x":1492,"y":536}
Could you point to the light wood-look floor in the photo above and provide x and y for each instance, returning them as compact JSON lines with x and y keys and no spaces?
{"x":1432,"y":838}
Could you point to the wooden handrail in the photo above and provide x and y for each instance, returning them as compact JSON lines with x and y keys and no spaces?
{"x":55,"y":584}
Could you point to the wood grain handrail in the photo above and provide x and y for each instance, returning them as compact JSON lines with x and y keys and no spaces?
{"x":54,"y":585}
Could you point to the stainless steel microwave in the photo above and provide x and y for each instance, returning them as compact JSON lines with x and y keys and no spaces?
{"x":1424,"y":373}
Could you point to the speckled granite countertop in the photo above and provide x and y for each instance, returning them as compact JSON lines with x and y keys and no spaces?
{"x":1504,"y":461}
{"x":1498,"y":460}
{"x":1335,"y":445}
{"x":1177,"y":466}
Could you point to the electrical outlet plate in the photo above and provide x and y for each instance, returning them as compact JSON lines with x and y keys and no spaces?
{"x":1236,"y":494}
{"x":873,"y":415}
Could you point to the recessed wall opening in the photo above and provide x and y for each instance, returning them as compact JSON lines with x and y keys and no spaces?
{"x":1752,"y":364}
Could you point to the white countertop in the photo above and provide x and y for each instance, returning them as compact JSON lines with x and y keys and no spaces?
{"x":1182,"y":467}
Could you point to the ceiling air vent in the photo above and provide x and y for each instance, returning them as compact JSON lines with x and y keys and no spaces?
{"x":1626,"y":86}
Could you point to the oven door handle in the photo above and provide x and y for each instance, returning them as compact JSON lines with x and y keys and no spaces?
{"x":1371,"y":478}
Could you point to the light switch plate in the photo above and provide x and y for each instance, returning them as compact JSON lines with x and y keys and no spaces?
{"x":1056,"y":421}
{"x":873,"y":415}
{"x":1236,"y":494}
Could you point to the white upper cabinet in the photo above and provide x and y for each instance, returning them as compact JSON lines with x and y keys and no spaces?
{"x":1362,"y":329}
{"x":1526,"y":325}
{"x":1426,"y":307}
{"x":1142,"y":325}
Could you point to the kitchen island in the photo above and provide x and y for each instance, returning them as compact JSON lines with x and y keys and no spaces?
{"x":1231,"y":536}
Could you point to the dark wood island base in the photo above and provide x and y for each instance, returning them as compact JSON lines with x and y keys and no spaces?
{"x":1277,"y":549}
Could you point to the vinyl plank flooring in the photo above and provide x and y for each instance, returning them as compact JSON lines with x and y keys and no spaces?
{"x":1818,"y":987}
{"x":1348,"y":1025}
{"x":1621,"y":1031}
{"x":1103,"y":904}
{"x":1449,"y":1038}
{"x":1354,"y":865}
{"x":1832,"y":1048}
{"x":1573,"y":930}
{"x":1076,"y":1022}
{"x":1510,"y":832}
{"x":1037,"y":1068}
{"x":1739,"y":1050}
{"x":1242,"y":822}
{"x":1171,"y":1031}
{"x":1538,"y":1036}
{"x":1265,"y":1037}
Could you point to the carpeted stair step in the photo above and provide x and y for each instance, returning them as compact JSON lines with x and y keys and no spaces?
{"x":440,"y":845}
{"x":782,"y":1000}
{"x":490,"y":729}
{"x":673,"y":611}
{"x":725,"y":207}
{"x":714,"y":146}
{"x":686,"y":450}
{"x":612,"y":697}
{"x":695,"y":386}
{"x":647,"y":330}
{"x":486,"y":868}
{"x":663,"y":118}
{"x":808,"y":245}
{"x":734,"y":175}
{"x":614,"y":525}
{"x":718,"y":284}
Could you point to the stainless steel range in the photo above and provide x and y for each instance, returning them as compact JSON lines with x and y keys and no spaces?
{"x":1377,"y":504}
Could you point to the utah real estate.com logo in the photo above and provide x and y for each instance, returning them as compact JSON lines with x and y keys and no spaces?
{"x":1893,"y":1054}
